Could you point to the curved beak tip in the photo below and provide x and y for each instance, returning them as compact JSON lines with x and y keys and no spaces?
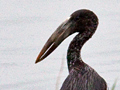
{"x":37,"y":60}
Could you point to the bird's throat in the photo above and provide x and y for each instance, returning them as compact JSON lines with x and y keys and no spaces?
{"x":74,"y":50}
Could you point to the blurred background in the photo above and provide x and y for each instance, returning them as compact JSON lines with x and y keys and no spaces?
{"x":25,"y":26}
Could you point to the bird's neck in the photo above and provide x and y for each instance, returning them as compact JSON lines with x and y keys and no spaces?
{"x":74,"y":50}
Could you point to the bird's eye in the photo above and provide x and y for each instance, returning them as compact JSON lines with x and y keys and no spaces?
{"x":89,"y":23}
{"x":77,"y":18}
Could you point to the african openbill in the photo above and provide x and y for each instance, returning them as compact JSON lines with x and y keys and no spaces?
{"x":81,"y":76}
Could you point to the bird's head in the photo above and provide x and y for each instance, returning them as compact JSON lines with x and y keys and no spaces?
{"x":79,"y":21}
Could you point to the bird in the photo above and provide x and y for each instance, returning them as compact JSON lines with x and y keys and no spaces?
{"x":81,"y":76}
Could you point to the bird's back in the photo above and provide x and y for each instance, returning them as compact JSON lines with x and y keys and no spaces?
{"x":84,"y":78}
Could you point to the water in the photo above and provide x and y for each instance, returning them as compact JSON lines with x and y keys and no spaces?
{"x":26,"y":25}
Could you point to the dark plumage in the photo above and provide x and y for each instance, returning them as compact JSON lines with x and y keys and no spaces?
{"x":81,"y":76}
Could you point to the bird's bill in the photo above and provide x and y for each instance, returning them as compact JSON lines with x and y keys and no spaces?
{"x":62,"y":32}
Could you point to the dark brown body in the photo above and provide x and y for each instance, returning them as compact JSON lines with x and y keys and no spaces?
{"x":84,"y":78}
